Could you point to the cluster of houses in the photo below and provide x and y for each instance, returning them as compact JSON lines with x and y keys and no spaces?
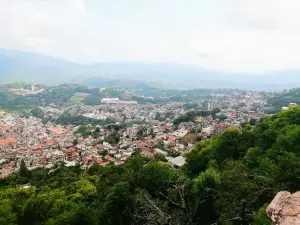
{"x":146,"y":128}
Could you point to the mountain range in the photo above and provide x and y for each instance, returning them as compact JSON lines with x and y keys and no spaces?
{"x":27,"y":66}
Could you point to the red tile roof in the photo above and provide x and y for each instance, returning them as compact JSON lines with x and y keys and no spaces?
{"x":55,"y":130}
{"x":8,"y":141}
{"x":172,"y":138}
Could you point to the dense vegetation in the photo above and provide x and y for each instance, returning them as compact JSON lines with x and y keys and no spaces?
{"x":88,"y":130}
{"x":68,"y":119}
{"x":192,"y":114}
{"x":58,"y":95}
{"x":284,"y":99}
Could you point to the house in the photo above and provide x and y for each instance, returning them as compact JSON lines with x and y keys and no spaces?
{"x":207,"y":131}
{"x":177,"y":161}
{"x":180,"y":133}
{"x":159,"y":151}
{"x":56,"y":130}
{"x":172,"y":139}
{"x":8,"y":141}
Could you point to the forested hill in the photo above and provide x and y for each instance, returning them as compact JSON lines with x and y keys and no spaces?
{"x":284,"y":99}
{"x":228,"y":180}
{"x":27,"y":66}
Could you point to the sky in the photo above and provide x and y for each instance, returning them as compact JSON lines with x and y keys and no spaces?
{"x":248,"y":36}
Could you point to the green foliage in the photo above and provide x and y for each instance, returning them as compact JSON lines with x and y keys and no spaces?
{"x":284,"y":99}
{"x":159,"y":117}
{"x":86,"y":130}
{"x":222,"y":117}
{"x":117,"y":203}
{"x":113,"y":138}
{"x":190,"y":116}
{"x":160,"y":157}
{"x":94,"y":99}
{"x":37,"y":112}
{"x":155,"y":177}
{"x":160,"y":145}
{"x":7,"y":216}
{"x":67,"y":119}
{"x":24,"y":172}
{"x":232,"y":144}
{"x":261,"y":218}
{"x":103,"y":153}
{"x":252,"y":122}
{"x":57,"y":95}
{"x":75,"y":142}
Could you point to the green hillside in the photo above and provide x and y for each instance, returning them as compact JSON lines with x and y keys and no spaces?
{"x":60,"y":95}
{"x":284,"y":99}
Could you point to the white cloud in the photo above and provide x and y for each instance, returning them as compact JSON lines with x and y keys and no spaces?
{"x":232,"y":35}
{"x":256,"y":36}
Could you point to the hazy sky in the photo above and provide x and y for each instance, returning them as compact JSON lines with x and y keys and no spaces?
{"x":229,"y":35}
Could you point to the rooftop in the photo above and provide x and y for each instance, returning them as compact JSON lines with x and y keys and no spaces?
{"x":8,"y":141}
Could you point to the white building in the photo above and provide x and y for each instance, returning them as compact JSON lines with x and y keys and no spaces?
{"x":116,"y":101}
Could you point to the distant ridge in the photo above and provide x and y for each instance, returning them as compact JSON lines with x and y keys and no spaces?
{"x":27,"y":66}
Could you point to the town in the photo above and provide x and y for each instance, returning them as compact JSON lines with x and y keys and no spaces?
{"x":149,"y":112}
{"x":119,"y":129}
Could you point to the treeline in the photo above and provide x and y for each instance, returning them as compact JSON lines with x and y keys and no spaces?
{"x":68,"y":119}
{"x":191,"y":115}
{"x":227,"y":180}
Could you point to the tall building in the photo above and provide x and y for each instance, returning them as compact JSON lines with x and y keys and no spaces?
{"x":32,"y":86}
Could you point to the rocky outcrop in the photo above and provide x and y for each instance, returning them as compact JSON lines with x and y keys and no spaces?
{"x":285,"y":209}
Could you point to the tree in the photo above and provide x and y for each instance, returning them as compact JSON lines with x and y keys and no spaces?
{"x":252,"y":122}
{"x":205,"y":190}
{"x":222,"y":117}
{"x":94,"y":99}
{"x":159,"y":117}
{"x":155,"y":177}
{"x":215,"y":111}
{"x":37,"y":112}
{"x":117,"y":204}
{"x":7,"y":216}
{"x":160,"y":145}
{"x":75,"y":142}
{"x":103,"y":153}
{"x":198,"y":159}
{"x":113,"y":138}
{"x":140,"y":133}
{"x":232,"y":144}
{"x":261,"y":217}
{"x":23,"y":169}
{"x":160,"y":157}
